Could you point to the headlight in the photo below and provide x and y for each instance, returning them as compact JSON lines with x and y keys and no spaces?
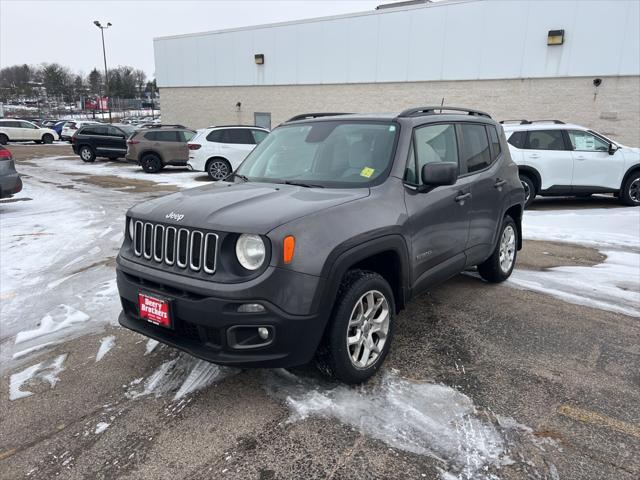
{"x":250,"y":251}
{"x":131,"y":228}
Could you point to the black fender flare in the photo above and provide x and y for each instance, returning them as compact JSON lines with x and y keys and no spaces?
{"x":341,"y":260}
{"x":533,"y":173}
{"x":628,"y":173}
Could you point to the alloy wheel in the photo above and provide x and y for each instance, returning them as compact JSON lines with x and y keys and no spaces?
{"x":368,"y":329}
{"x":634,"y":190}
{"x":219,"y":170}
{"x":85,"y":154}
{"x":507,"y":248}
{"x":527,"y":191}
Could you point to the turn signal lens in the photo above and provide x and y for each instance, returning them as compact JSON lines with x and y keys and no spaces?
{"x":289,"y":248}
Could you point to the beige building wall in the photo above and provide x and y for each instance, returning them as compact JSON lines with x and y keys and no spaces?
{"x":613,"y":108}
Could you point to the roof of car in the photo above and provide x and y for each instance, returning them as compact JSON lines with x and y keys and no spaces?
{"x":212,"y":127}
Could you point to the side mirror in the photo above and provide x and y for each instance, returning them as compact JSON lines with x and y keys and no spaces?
{"x":612,"y":148}
{"x":439,"y":173}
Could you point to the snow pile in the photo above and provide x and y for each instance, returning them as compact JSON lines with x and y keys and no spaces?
{"x":613,"y":285}
{"x":593,"y":227}
{"x":150,"y":346}
{"x":101,"y":427}
{"x":62,"y":317}
{"x":106,"y":344}
{"x":183,"y":374}
{"x":44,"y":371}
{"x":418,"y":417}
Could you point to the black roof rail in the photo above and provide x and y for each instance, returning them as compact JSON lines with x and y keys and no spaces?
{"x":557,"y":122}
{"x":519,"y":122}
{"x":529,"y":122}
{"x":160,"y":125}
{"x":305,"y":116}
{"x":419,"y":111}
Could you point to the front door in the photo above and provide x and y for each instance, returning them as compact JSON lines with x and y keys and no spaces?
{"x":593,"y":166}
{"x":28,"y":131}
{"x":114,"y":142}
{"x":438,"y":218}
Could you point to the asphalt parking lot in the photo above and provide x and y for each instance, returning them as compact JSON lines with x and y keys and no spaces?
{"x":483,"y":381}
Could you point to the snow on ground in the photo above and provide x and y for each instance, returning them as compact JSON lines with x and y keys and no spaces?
{"x":176,"y":176}
{"x":184,"y":374}
{"x":46,"y":371}
{"x":416,"y":416}
{"x":106,"y":344}
{"x":613,"y":285}
{"x":101,"y":427}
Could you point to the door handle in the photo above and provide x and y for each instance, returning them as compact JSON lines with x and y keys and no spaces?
{"x":534,"y":155}
{"x":581,"y":158}
{"x":500,"y":183}
{"x":462,"y":197}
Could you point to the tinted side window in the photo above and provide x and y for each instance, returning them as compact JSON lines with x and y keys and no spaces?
{"x":494,"y":139}
{"x":475,"y":147}
{"x":545,"y":140}
{"x":217,"y":136}
{"x":517,"y":139}
{"x":433,"y":143}
{"x":115,"y":132}
{"x":258,"y":135}
{"x":241,"y":136}
{"x":153,"y":136}
{"x":186,"y":135}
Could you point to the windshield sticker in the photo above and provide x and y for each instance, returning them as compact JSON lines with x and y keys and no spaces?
{"x":392,"y":128}
{"x":367,"y":172}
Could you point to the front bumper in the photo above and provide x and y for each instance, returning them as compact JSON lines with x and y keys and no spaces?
{"x":206,"y":324}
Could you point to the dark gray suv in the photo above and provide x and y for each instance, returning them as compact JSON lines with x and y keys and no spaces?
{"x":322,"y":235}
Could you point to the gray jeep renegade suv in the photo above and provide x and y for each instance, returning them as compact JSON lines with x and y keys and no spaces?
{"x":319,"y":239}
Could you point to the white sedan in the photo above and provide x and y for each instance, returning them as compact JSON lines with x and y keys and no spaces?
{"x":14,"y":130}
{"x":220,"y":150}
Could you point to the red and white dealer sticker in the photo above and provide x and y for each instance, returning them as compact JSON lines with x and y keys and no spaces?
{"x":154,"y":310}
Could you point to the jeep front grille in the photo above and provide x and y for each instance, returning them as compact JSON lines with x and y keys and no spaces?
{"x":182,"y":247}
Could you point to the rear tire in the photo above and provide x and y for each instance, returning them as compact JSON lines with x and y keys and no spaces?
{"x":530,"y":191}
{"x":218,"y":169}
{"x":359,"y":336}
{"x":87,"y":154}
{"x":47,"y":138}
{"x":498,"y":267}
{"x":3,"y":139}
{"x":630,"y":194}
{"x":151,"y":163}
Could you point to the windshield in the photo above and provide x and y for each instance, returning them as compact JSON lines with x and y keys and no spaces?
{"x":339,"y":154}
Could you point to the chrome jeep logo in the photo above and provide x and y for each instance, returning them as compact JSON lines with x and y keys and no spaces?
{"x":174,"y":216}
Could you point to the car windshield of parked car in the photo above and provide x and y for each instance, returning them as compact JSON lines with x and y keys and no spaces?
{"x":337,"y":154}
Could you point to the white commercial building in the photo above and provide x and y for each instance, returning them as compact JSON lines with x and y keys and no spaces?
{"x":577,"y":61}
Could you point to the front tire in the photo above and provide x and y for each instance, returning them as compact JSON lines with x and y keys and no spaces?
{"x":47,"y":138}
{"x":361,"y":329}
{"x":530,"y":191}
{"x":3,"y":139}
{"x":630,"y":194}
{"x":87,"y":154}
{"x":498,"y":267}
{"x":151,"y":163}
{"x":218,"y":169}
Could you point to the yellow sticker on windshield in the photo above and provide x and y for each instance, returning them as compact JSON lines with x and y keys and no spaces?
{"x":367,"y":172}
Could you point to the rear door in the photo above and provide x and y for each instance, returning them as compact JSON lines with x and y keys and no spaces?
{"x":113,"y":142}
{"x":594,"y":168}
{"x":438,"y":218}
{"x":549,"y":153}
{"x":237,"y":144}
{"x":480,"y":156}
{"x":29,"y":131}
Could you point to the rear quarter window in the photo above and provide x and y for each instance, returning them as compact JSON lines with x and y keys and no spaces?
{"x":517,"y":139}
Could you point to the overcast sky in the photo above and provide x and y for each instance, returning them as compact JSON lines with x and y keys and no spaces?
{"x":62,"y":31}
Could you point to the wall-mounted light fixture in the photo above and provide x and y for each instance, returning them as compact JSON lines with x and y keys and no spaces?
{"x":259,"y":57}
{"x":238,"y":106}
{"x":555,"y":37}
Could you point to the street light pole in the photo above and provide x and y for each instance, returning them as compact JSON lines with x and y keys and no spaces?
{"x":104,"y":56}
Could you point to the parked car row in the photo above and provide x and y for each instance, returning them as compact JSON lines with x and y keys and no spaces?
{"x":553,"y":158}
{"x":13,"y":130}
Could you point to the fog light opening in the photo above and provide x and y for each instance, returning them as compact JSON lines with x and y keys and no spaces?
{"x":251,"y":308}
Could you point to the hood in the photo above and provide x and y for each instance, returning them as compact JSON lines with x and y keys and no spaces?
{"x":242,"y":207}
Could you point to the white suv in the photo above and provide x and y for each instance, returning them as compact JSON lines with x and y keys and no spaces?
{"x":219,"y":150}
{"x":555,"y":158}
{"x":14,"y":130}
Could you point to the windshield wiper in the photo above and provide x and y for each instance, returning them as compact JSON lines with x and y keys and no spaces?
{"x":301,"y":184}
{"x":238,"y":175}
